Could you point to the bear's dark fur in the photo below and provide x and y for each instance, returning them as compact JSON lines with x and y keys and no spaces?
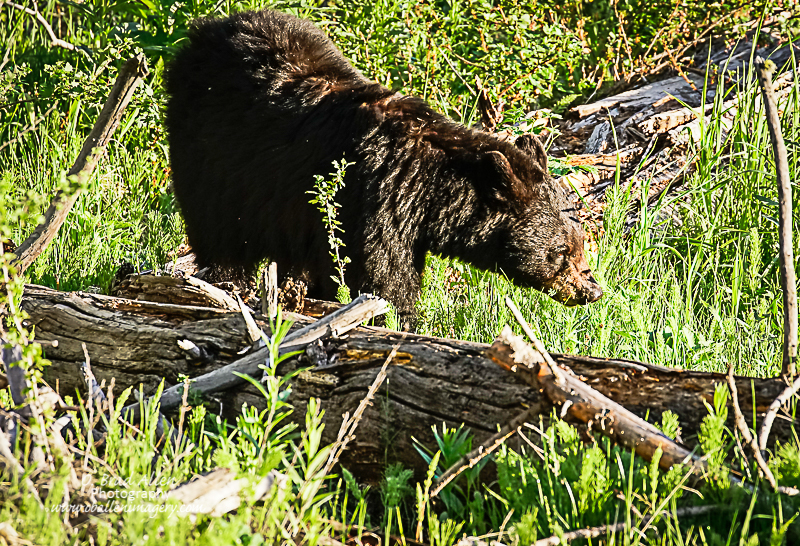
{"x":261,"y":102}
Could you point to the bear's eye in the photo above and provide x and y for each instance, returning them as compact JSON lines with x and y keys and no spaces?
{"x":556,"y":256}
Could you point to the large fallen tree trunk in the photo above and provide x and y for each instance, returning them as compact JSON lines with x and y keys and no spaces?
{"x":430,"y":380}
{"x":647,"y":138}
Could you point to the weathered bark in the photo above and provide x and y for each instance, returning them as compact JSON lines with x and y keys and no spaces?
{"x":586,"y":404}
{"x":430,"y":380}
{"x":788,"y":278}
{"x":644,"y":137}
{"x":183,"y":291}
{"x":350,"y":316}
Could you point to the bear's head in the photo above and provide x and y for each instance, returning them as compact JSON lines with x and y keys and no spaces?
{"x":539,"y":242}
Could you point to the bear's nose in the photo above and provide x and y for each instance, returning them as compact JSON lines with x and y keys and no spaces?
{"x":593,"y":290}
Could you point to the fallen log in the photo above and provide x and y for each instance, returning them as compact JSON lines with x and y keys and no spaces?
{"x":645,"y":138}
{"x":588,"y":405}
{"x":430,"y":380}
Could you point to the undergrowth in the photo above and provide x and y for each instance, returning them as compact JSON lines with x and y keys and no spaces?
{"x":693,"y":284}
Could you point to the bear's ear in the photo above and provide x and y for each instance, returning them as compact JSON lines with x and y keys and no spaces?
{"x":506,"y":186}
{"x":531,"y":145}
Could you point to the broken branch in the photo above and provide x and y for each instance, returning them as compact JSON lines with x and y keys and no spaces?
{"x":129,"y":77}
{"x":772,"y":412}
{"x":54,"y":40}
{"x":345,"y":319}
{"x":764,"y":70}
{"x":586,"y":404}
{"x":744,"y":430}
{"x":484,"y":450}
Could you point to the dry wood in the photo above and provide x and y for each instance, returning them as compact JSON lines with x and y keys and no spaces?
{"x":764,"y":69}
{"x":638,"y":99}
{"x":362,"y":308}
{"x":485,"y":449}
{"x":10,"y":357}
{"x":181,"y":291}
{"x":269,"y":295}
{"x":349,"y":424}
{"x":744,"y":430}
{"x":11,"y":420}
{"x":131,"y":414}
{"x":129,"y":77}
{"x":644,"y":137}
{"x":586,"y":405}
{"x":429,"y":381}
{"x":253,"y":331}
{"x":319,"y":308}
{"x":772,"y":412}
{"x":218,"y":492}
{"x":55,"y":40}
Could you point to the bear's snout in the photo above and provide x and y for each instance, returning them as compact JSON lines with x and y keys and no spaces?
{"x":589,"y":291}
{"x":575,"y":285}
{"x":571,"y":291}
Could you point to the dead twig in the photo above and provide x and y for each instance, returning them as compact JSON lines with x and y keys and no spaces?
{"x":484,"y":450}
{"x":772,"y":412}
{"x":54,"y":40}
{"x":129,"y":77}
{"x":764,"y":69}
{"x":621,"y":27}
{"x":744,"y":430}
{"x":594,"y":532}
{"x":678,"y":69}
{"x":348,"y":428}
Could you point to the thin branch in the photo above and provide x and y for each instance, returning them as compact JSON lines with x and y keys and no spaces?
{"x":772,"y":412}
{"x":554,"y":369}
{"x":348,"y":428}
{"x":594,"y":532}
{"x":56,"y":41}
{"x":584,"y":403}
{"x":29,"y":128}
{"x":129,"y":77}
{"x":345,"y":319}
{"x":744,"y":430}
{"x":484,"y":450}
{"x":764,"y":69}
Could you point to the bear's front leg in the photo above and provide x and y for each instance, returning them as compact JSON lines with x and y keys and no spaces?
{"x":393,"y":276}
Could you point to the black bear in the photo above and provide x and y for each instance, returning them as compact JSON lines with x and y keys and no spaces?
{"x":262,"y":101}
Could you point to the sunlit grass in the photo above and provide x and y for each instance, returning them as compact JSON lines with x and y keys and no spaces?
{"x":695,"y":288}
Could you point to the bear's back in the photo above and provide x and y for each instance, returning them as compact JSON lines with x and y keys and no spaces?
{"x":260,"y":55}
{"x":258,"y":104}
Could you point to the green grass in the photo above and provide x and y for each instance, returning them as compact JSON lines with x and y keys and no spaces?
{"x":696,"y":288}
{"x":697,"y":292}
